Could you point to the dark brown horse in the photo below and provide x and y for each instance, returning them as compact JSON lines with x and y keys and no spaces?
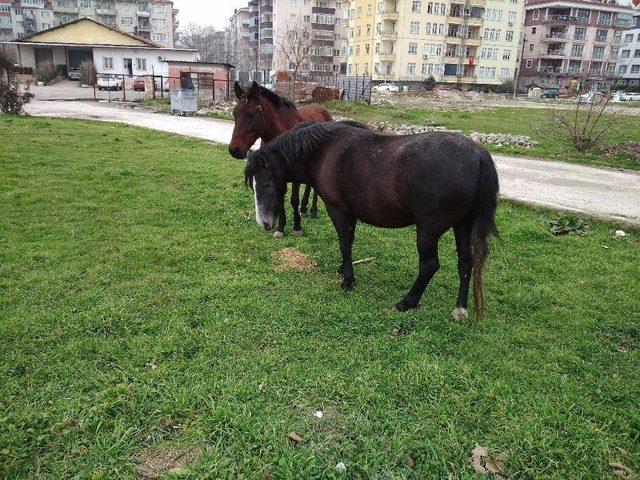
{"x":261,"y":113}
{"x":435,"y":181}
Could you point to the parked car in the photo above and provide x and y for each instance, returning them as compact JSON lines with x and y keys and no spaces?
{"x":109,"y":82}
{"x":621,"y":96}
{"x":550,"y":93}
{"x":386,"y":87}
{"x":73,"y":73}
{"x":138,"y":85}
{"x":592,"y":97}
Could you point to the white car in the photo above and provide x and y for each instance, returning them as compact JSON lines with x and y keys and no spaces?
{"x":626,"y":97}
{"x":386,"y":87}
{"x":592,"y":97}
{"x":109,"y":82}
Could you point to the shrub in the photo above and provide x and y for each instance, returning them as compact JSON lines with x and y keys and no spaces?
{"x":11,"y":99}
{"x":585,"y":129}
{"x":566,"y":225}
{"x":506,"y":87}
{"x":46,"y":72}
{"x":87,"y":73}
{"x":430,"y":84}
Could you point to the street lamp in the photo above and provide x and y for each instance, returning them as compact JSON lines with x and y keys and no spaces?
{"x":519,"y":67}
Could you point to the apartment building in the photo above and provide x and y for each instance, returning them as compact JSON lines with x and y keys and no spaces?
{"x":473,"y":42}
{"x":154,"y":20}
{"x":269,"y":22}
{"x":570,"y":41}
{"x":237,"y":39}
{"x":628,"y":67}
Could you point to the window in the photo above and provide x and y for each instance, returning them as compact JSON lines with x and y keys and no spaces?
{"x":576,"y":50}
{"x":506,"y":54}
{"x":579,"y":33}
{"x":127,"y":21}
{"x":601,"y":35}
{"x":5,"y":8}
{"x":411,"y":68}
{"x":625,"y":53}
{"x":504,"y":72}
{"x":628,"y":38}
{"x":293,"y":3}
{"x":46,"y":26}
{"x":141,"y":63}
{"x":413,"y":48}
{"x":509,"y":36}
{"x":622,"y":69}
{"x":636,"y":53}
{"x":159,"y":37}
{"x":43,"y":13}
{"x":512,"y":18}
{"x":416,"y":5}
{"x":107,"y":63}
{"x":536,"y":14}
{"x":307,"y":18}
{"x":529,"y":63}
{"x":160,"y":7}
{"x":85,"y":3}
{"x":415,"y":28}
{"x":531,"y":47}
{"x":635,"y":68}
{"x":433,"y":49}
{"x":598,"y":52}
{"x":533,"y":31}
{"x":159,"y":22}
{"x":125,"y":7}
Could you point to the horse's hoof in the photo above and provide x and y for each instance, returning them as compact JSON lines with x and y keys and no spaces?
{"x":347,"y":285}
{"x":297,"y":233}
{"x":403,"y":306}
{"x":460,"y":313}
{"x":278,"y":235}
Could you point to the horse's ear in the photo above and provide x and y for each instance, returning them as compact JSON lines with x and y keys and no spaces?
{"x":254,"y":90}
{"x":238,"y":90}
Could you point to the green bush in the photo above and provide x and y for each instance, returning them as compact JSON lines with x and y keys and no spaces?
{"x":12,"y":99}
{"x":506,"y":87}
{"x":46,"y":72}
{"x":430,"y":83}
{"x":87,"y":73}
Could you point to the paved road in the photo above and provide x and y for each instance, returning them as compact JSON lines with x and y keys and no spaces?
{"x":602,"y":193}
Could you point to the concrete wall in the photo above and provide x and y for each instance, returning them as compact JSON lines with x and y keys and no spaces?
{"x":155,"y":66}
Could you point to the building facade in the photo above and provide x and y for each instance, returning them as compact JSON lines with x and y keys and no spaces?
{"x":237,"y":40}
{"x":628,"y":67}
{"x":154,"y":20}
{"x":269,"y":22}
{"x":573,"y":42}
{"x":474,"y":42}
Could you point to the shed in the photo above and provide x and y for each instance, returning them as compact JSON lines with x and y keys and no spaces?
{"x":212,"y":80}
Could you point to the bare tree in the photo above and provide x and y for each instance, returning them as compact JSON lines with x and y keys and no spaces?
{"x":296,"y":48}
{"x":211,"y":43}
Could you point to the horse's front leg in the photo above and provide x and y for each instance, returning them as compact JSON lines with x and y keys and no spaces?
{"x":305,"y":200}
{"x":427,"y":243}
{"x":345,"y":226}
{"x":314,"y":205}
{"x":295,"y":204}
{"x":282,"y":220}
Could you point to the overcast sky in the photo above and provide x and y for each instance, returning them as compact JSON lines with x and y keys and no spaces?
{"x":207,"y":12}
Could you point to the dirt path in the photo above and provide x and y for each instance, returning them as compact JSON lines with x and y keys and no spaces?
{"x":602,"y":193}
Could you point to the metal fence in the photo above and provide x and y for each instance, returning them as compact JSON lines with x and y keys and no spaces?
{"x":320,"y":88}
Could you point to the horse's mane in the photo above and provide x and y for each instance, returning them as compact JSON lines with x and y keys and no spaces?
{"x":275,"y":99}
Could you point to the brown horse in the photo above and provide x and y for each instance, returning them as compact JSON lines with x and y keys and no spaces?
{"x":261,"y":113}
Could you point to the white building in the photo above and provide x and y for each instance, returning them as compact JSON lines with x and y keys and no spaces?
{"x":111,"y":50}
{"x":629,"y":60}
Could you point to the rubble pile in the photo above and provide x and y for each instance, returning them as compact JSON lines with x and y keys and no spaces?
{"x":498,"y":139}
{"x":217,"y":107}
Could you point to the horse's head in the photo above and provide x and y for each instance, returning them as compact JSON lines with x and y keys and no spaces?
{"x":268,"y":187}
{"x":249,"y":117}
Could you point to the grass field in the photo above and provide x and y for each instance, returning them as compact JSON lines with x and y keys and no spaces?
{"x":533,"y":122}
{"x":142,"y":322}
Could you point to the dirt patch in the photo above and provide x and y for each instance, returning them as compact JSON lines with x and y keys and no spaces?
{"x":155,"y":463}
{"x":292,"y":259}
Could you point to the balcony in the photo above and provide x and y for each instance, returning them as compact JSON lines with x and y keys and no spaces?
{"x":559,"y":18}
{"x":388,"y":35}
{"x":144,"y":27}
{"x":553,"y":53}
{"x":555,"y":36}
{"x":144,"y":13}
{"x":387,"y":56}
{"x":550,"y":70}
{"x":389,"y":15}
{"x":625,"y":23}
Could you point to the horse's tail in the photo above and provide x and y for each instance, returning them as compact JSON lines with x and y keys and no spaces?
{"x":484,"y":225}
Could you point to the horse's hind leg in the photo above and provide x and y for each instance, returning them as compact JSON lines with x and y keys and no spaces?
{"x":314,"y":205}
{"x":305,"y":200}
{"x":465,"y":265}
{"x":295,"y":204}
{"x":427,"y":243}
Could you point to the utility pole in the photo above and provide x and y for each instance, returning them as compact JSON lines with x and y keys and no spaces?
{"x":519,"y":67}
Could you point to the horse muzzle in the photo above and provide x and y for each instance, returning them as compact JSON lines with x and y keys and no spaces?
{"x":237,"y":152}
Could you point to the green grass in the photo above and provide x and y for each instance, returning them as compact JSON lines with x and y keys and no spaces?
{"x":139,"y":310}
{"x":533,"y":122}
